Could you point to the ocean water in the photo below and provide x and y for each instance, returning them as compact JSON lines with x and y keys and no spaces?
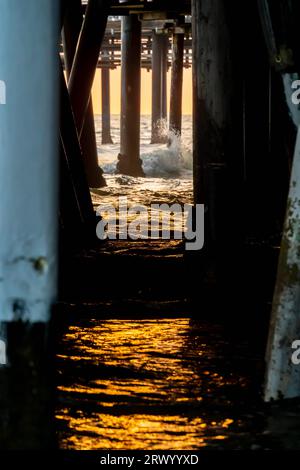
{"x":168,"y":174}
{"x":158,"y":160}
{"x":168,"y":171}
{"x":128,"y":382}
{"x":148,"y":387}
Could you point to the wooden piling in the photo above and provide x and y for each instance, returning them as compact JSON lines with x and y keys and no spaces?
{"x":76,"y":208}
{"x":159,"y":85}
{"x":282,"y":374}
{"x":164,"y":87}
{"x":282,"y":379}
{"x":212,"y":120}
{"x":86,"y":58}
{"x":129,"y":158}
{"x":29,"y":219}
{"x":105,"y":89}
{"x":176,"y":84}
{"x":72,"y":26}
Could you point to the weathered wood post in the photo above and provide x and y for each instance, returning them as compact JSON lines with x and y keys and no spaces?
{"x":72,"y":26}
{"x":176,"y":83}
{"x":159,"y":85}
{"x":76,"y":208}
{"x":212,"y":93}
{"x":282,"y":375}
{"x":29,"y":218}
{"x":282,"y":369}
{"x":129,"y":158}
{"x":156,"y":88}
{"x":164,"y":58}
{"x":105,"y":89}
{"x":83,"y":72}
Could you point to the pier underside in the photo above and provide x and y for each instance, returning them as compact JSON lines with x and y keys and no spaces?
{"x":149,"y":263}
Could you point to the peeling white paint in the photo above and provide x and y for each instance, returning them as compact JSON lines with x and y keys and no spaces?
{"x":3,"y":354}
{"x":2,"y":92}
{"x":282,"y":375}
{"x":291,"y":89}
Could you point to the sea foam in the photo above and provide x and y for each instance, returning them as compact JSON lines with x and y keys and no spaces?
{"x":173,"y":159}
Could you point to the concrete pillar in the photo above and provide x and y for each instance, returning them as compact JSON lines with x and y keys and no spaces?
{"x":71,"y":32}
{"x":105,"y":89}
{"x":29,"y":218}
{"x":159,"y":85}
{"x":129,"y":158}
{"x":176,"y":84}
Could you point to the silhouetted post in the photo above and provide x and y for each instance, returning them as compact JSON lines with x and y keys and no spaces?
{"x":212,"y":127}
{"x":71,"y":31}
{"x":76,"y":208}
{"x":159,"y":85}
{"x":75,"y":152}
{"x":105,"y":88}
{"x":176,"y":83}
{"x":129,"y":157}
{"x":89,"y":145}
{"x":164,"y":68}
{"x":72,"y":24}
{"x":86,"y":58}
{"x":83,"y":72}
{"x":29,"y":219}
{"x":156,"y":88}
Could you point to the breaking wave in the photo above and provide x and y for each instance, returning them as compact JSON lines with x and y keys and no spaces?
{"x":172,"y":159}
{"x":169,"y":160}
{"x":159,"y":160}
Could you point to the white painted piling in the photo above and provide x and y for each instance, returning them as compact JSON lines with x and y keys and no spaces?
{"x":283,"y":377}
{"x":283,"y":374}
{"x":28,"y":158}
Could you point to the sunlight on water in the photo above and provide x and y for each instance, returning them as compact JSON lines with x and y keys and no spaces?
{"x":136,"y":385}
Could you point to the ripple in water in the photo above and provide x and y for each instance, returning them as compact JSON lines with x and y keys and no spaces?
{"x":138,"y":385}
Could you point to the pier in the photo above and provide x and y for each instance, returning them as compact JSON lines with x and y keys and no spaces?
{"x":159,"y":327}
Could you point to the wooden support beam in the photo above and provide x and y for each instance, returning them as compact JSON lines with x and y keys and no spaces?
{"x":129,"y":158}
{"x":73,"y":170}
{"x":164,"y":87}
{"x":72,"y":24}
{"x":212,"y":126}
{"x":176,"y":84}
{"x":86,"y":58}
{"x":71,"y":217}
{"x":105,"y":89}
{"x":159,"y":86}
{"x":71,"y":32}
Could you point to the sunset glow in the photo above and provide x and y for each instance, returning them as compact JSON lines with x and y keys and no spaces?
{"x":146,"y":92}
